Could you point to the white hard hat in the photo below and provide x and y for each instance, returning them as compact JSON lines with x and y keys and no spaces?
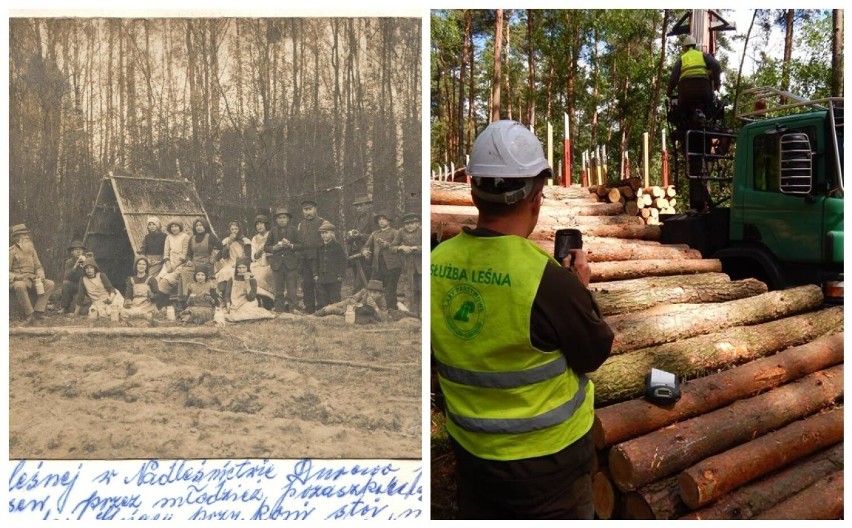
{"x":506,"y":149}
{"x":688,"y":40}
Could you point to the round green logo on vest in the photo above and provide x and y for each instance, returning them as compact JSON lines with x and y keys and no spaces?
{"x":464,"y":311}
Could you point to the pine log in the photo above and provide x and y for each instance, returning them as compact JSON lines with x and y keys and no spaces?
{"x":623,"y":421}
{"x":614,"y":195}
{"x":706,"y":318}
{"x":603,"y":249}
{"x":704,"y":280}
{"x":647,"y":199}
{"x":671,"y":192}
{"x":657,"y":500}
{"x":623,"y":376}
{"x":655,"y":213}
{"x":633,"y":318}
{"x":453,"y":193}
{"x":448,"y":219}
{"x":821,"y":500}
{"x":715,"y":476}
{"x":630,"y":208}
{"x":607,"y":271}
{"x":654,"y":456}
{"x":117,"y":331}
{"x":661,"y":203}
{"x":750,"y":500}
{"x":607,"y":499}
{"x":689,"y":292}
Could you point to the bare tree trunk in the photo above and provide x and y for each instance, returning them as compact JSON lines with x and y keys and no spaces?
{"x":461,"y":133}
{"x":507,"y":72}
{"x":531,"y":69}
{"x":658,"y":82}
{"x":471,"y":114}
{"x":837,"y":52}
{"x":742,"y":59}
{"x":497,"y":80}
{"x":788,"y":50}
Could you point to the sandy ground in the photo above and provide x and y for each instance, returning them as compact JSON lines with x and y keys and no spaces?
{"x":134,"y":397}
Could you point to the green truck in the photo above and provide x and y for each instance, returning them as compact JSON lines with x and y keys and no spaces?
{"x":772,"y":204}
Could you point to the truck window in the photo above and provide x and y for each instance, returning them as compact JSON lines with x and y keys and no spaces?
{"x":766,"y":162}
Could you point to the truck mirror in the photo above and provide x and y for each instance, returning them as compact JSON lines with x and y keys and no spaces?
{"x":796,"y":162}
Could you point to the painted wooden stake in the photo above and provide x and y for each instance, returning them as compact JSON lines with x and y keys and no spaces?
{"x":598,"y":164}
{"x":645,"y":157}
{"x":604,"y":164}
{"x":665,"y":161}
{"x":626,"y":165}
{"x":549,"y":145}
{"x":566,"y":152}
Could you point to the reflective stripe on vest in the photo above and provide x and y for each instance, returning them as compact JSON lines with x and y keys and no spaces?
{"x":692,"y":64}
{"x":525,"y":425}
{"x":504,"y":380}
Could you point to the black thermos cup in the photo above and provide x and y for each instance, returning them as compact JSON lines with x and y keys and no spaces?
{"x":567,"y":239}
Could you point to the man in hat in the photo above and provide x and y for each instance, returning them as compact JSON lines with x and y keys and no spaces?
{"x":26,"y":275}
{"x":72,"y":272}
{"x":283,"y":247}
{"x":386,"y":264}
{"x":513,"y":334}
{"x":309,"y":238}
{"x":361,"y":229}
{"x":369,"y":304}
{"x":408,"y":244}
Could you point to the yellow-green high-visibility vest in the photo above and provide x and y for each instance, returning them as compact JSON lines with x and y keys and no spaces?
{"x":692,"y":64}
{"x":506,"y":399}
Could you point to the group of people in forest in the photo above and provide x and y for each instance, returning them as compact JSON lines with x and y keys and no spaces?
{"x":194,"y":276}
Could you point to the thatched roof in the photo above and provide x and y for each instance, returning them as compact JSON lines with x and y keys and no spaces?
{"x":118,"y":223}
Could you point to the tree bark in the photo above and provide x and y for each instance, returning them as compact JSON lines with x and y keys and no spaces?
{"x":704,"y":280}
{"x":837,"y":52}
{"x":497,"y":79}
{"x":654,"y":456}
{"x":706,"y":318}
{"x":750,"y":500}
{"x":612,"y":303}
{"x":715,"y":476}
{"x":657,"y":500}
{"x":623,"y":421}
{"x":623,"y":376}
{"x":603,"y":249}
{"x":822,"y":500}
{"x":632,"y":269}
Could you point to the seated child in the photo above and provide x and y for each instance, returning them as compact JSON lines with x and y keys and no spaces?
{"x":96,"y":294}
{"x":141,"y":293}
{"x":72,"y":272}
{"x":202,"y":298}
{"x":240,"y":297}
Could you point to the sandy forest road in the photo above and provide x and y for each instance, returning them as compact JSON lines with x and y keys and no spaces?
{"x":139,"y":397}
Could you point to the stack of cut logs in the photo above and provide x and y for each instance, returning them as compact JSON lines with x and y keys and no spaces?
{"x":757,"y":432}
{"x":646,"y":202}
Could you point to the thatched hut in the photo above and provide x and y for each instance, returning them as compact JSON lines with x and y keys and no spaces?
{"x":118,"y":222}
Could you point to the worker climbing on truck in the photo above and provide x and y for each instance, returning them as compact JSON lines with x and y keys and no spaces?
{"x":696,"y":75}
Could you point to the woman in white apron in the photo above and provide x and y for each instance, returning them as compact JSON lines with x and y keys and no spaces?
{"x":259,"y":265}
{"x":240,"y":298}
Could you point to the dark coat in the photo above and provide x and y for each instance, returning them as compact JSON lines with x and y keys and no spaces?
{"x":286,"y":258}
{"x":331,"y":263}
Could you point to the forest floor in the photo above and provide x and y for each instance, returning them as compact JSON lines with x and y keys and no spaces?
{"x":229,"y":396}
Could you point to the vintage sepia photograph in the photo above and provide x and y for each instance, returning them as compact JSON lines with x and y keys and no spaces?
{"x":215,"y":237}
{"x":636,"y":267}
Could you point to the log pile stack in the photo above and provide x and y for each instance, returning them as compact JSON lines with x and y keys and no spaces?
{"x":758,"y":431}
{"x":648,"y":203}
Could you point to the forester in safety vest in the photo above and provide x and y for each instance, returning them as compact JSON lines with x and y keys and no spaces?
{"x":513,"y":333}
{"x":695,"y":75}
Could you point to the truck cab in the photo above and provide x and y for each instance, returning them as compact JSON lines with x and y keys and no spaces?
{"x":784,"y":223}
